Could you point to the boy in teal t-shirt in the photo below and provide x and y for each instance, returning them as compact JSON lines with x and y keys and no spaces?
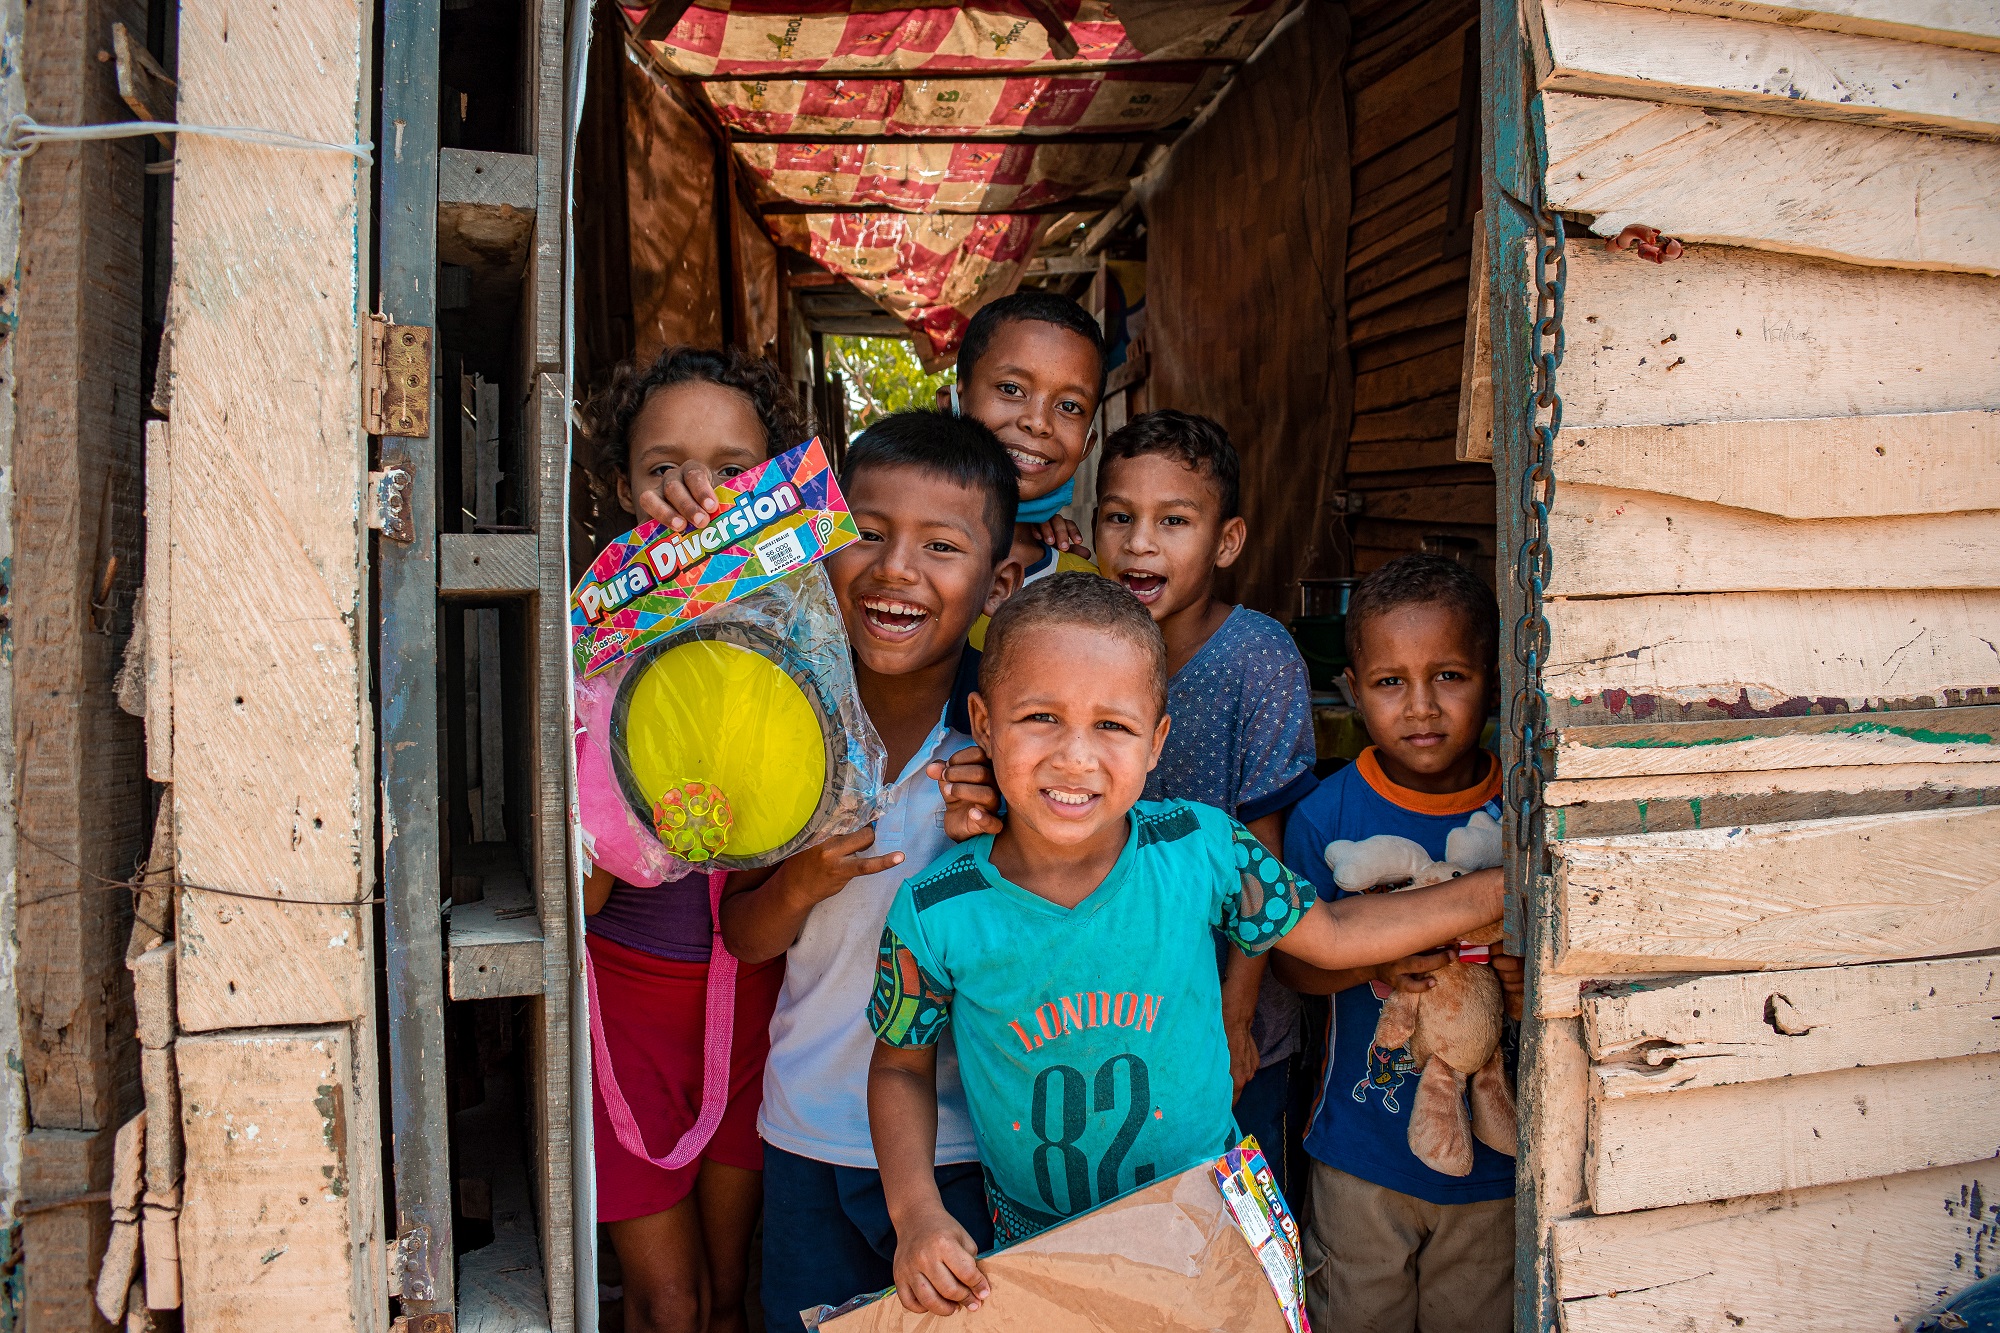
{"x":1067,"y":1117}
{"x":1072,"y":953}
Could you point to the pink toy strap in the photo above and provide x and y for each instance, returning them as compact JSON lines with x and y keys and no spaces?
{"x":720,"y":1025}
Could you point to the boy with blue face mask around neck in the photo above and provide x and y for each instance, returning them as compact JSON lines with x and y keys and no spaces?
{"x":1031,"y":370}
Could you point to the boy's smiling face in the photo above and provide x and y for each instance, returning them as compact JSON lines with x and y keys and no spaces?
{"x":1161,"y":533}
{"x":1035,"y":387}
{"x":691,"y":422}
{"x":922,"y":572}
{"x":1424,"y":688}
{"x":1072,"y":728}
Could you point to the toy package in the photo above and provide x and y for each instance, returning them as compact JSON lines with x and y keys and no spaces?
{"x":1205,"y":1251}
{"x":718,"y":727}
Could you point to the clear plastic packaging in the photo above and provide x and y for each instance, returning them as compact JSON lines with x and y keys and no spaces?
{"x":729,"y":743}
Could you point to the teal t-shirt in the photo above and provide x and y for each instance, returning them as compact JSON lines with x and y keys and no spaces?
{"x":1089,"y":1039}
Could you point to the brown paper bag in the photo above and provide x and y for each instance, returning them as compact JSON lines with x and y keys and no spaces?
{"x":1164,"y":1259}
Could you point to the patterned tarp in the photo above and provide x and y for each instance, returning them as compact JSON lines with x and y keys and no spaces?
{"x":920,"y":177}
{"x":932,"y":270}
{"x":1146,"y":97}
{"x":929,"y":270}
{"x":836,"y":36}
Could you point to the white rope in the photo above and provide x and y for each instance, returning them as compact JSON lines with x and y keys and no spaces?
{"x":23,"y":134}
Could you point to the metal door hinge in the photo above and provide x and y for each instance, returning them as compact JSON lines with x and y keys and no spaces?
{"x":436,"y":1322}
{"x":389,"y":500}
{"x":397,"y":379}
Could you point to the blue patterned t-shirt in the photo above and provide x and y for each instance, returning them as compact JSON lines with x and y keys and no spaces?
{"x":1089,"y":1038}
{"x":1242,"y":741}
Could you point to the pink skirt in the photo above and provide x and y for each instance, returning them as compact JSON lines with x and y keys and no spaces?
{"x":655,"y":1015}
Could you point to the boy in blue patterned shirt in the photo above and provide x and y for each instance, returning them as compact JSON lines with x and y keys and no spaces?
{"x":1242,"y":737}
{"x":1070,"y":954}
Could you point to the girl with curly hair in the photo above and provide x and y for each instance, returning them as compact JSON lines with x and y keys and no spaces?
{"x":663,"y":435}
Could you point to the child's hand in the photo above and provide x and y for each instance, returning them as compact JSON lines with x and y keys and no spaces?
{"x":686,"y":498}
{"x":819,"y":872}
{"x":1407,"y":974}
{"x":971,"y":795}
{"x":937,"y":1266}
{"x":1513,"y":981}
{"x":1062,"y":534}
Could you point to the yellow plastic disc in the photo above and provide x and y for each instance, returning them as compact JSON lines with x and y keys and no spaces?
{"x":714,"y":715}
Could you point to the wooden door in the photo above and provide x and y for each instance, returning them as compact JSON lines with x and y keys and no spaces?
{"x":1761,"y":1080}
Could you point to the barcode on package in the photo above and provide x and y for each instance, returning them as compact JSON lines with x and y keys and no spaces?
{"x":781,"y":552}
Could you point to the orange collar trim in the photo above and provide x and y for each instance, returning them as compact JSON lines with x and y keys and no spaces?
{"x":1423,"y":802}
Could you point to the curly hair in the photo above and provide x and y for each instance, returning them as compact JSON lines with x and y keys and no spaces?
{"x":1427,"y":580}
{"x":609,"y":415}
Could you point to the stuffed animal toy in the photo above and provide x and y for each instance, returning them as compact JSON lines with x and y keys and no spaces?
{"x":1452,"y":1031}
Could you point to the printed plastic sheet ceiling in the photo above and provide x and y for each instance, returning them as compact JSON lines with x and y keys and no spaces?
{"x":775,"y":69}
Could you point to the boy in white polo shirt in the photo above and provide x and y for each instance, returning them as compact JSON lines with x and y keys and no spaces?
{"x":934,"y":499}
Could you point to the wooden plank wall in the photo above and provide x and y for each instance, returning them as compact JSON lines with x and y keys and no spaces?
{"x":1759,"y":1099}
{"x":78,"y":785}
{"x":264,"y":467}
{"x":1415,"y":124}
{"x":1245,"y":224}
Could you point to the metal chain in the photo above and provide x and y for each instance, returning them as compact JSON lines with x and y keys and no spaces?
{"x":1542,"y":419}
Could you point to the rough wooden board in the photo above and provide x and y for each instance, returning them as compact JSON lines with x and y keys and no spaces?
{"x":487,"y":180}
{"x":153,"y":995}
{"x":1610,"y":542}
{"x":1650,"y":1038}
{"x":1408,"y":100}
{"x":496,"y":943}
{"x":1623,"y":51}
{"x":487,"y":564}
{"x":1475,"y":395}
{"x":164,"y":1159}
{"x":1815,"y":1129}
{"x":556,"y":896}
{"x":1971,"y":24}
{"x":272,"y":1224}
{"x":1812,"y":467}
{"x":1603,"y":807}
{"x":61,"y":1247}
{"x":270,"y":748}
{"x":1558,"y":1087}
{"x":1753,"y":335}
{"x":1941,"y":736}
{"x":1878,"y":1254}
{"x":1769,"y":647}
{"x":77,"y":787}
{"x":1856,"y":193}
{"x":1797,"y":894}
{"x":159,"y":609}
{"x":543,"y":291}
{"x":486,"y":210}
{"x":1470,"y":503}
{"x":160,"y":1239}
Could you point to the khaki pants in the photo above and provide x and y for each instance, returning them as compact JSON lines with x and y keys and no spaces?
{"x":1383,"y":1262}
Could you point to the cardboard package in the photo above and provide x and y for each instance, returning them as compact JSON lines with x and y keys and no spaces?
{"x":1211,"y":1249}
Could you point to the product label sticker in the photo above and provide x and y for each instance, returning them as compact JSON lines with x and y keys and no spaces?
{"x":1261,"y":1215}
{"x":772,"y":520}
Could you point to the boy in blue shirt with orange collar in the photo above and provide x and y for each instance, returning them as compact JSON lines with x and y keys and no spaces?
{"x":1406,"y":1247}
{"x":1071,"y":954}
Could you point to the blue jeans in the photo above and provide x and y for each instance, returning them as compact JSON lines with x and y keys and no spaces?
{"x":827,"y":1236}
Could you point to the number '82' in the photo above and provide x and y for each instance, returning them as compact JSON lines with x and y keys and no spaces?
{"x":1061,"y":1125}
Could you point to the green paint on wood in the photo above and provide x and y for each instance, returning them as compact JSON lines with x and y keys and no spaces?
{"x":1858,"y":728}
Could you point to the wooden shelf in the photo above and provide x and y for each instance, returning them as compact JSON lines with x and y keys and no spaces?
{"x":495,"y":944}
